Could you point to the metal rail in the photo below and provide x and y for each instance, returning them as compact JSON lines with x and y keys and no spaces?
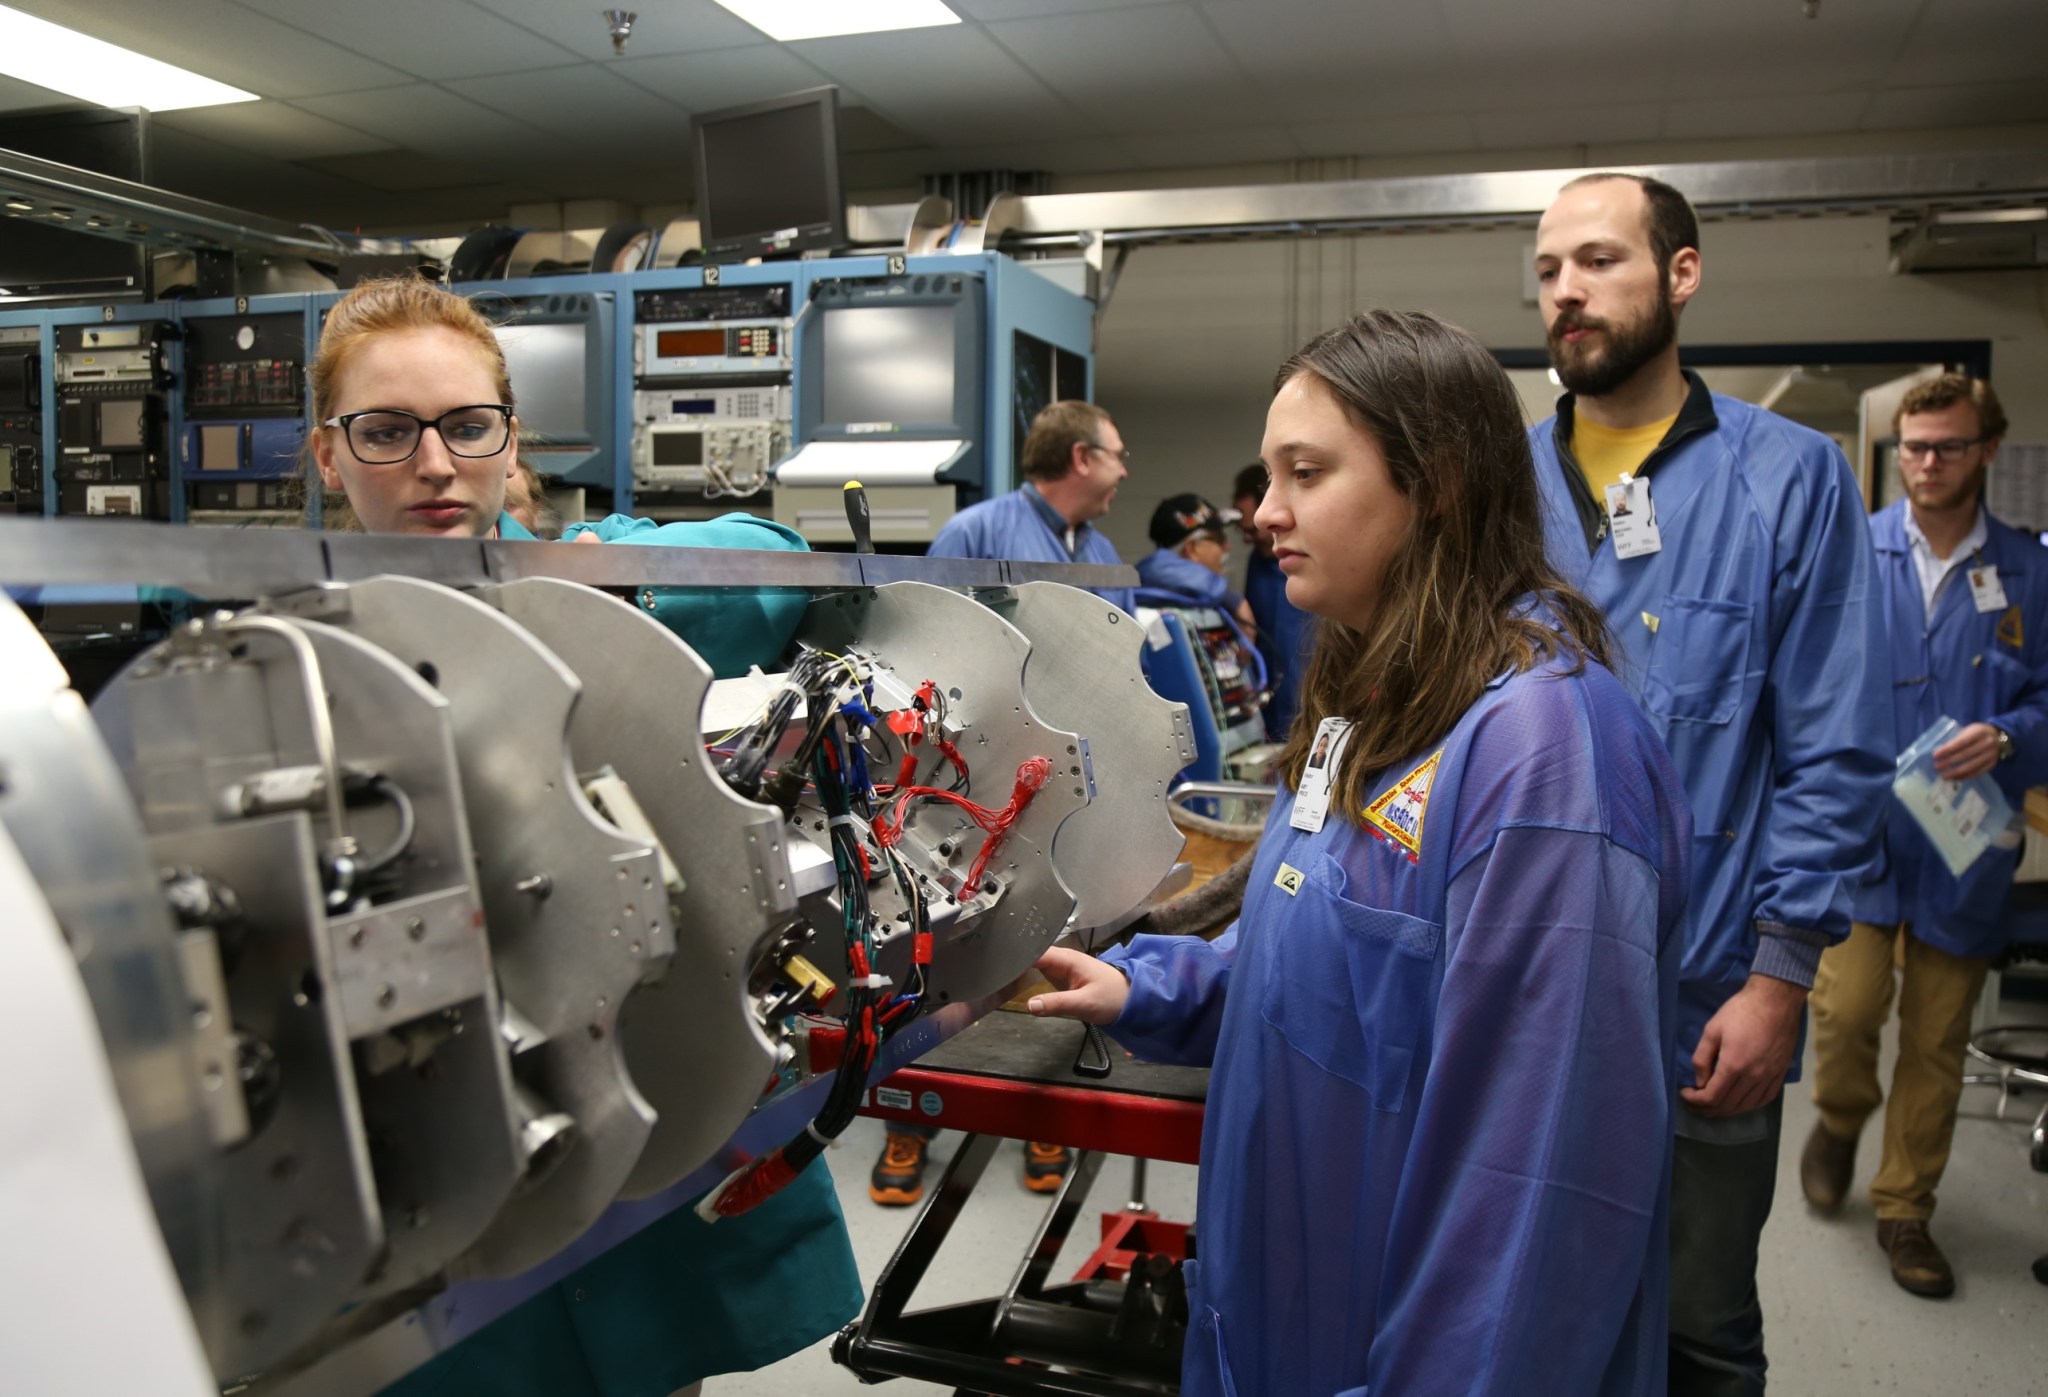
{"x":116,"y":208}
{"x":241,"y":563}
{"x":84,"y":201}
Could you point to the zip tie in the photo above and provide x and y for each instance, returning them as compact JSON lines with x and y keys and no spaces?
{"x":838,"y":820}
{"x":871,"y":982}
{"x":811,"y":1129}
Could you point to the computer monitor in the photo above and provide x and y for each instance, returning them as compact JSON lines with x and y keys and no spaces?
{"x":768,"y":177}
{"x":547,"y":364}
{"x":899,"y":358}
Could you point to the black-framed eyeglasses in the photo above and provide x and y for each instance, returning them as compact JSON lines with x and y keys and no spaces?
{"x":1950,"y":450}
{"x":1123,"y":455}
{"x":389,"y":437}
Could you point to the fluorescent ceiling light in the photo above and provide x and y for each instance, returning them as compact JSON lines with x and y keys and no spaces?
{"x":818,"y":19}
{"x":78,"y":65}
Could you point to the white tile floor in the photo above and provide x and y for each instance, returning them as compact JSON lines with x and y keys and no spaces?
{"x":1836,"y":1324}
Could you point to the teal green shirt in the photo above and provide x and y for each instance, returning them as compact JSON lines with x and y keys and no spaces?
{"x":731,"y":627}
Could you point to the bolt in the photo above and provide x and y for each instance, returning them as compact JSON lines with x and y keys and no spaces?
{"x":357,"y":936}
{"x":386,"y":997}
{"x":416,"y":929}
{"x":535,"y":885}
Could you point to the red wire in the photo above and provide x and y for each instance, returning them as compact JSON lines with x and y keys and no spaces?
{"x":1032,"y":775}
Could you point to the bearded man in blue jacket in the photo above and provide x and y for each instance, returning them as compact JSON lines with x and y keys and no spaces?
{"x":1967,"y":600}
{"x":1729,"y":549}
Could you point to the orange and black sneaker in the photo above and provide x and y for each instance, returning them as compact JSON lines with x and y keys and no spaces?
{"x":1045,"y":1165}
{"x":898,"y":1177}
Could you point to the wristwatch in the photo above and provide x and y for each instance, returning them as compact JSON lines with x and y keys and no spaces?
{"x":2004,"y":743}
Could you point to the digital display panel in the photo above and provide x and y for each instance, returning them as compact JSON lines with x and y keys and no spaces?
{"x":547,"y":365}
{"x":689,"y":344}
{"x":888,"y":364}
{"x":678,"y":448}
{"x":120,"y":424}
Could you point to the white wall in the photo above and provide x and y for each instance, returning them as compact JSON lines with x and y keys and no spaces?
{"x":1193,"y":334}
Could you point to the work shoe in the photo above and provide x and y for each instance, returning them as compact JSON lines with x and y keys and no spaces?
{"x":1825,"y":1168}
{"x":1045,"y":1165}
{"x":1917,"y":1264}
{"x":898,"y":1177}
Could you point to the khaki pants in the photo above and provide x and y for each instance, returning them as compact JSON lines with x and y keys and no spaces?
{"x":1852,"y":994}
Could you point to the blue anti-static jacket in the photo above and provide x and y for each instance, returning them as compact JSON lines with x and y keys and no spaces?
{"x":1164,"y":570}
{"x":1755,"y":641}
{"x":1284,"y":640}
{"x":1019,"y":526}
{"x":1974,"y":667}
{"x":1436,"y":1158}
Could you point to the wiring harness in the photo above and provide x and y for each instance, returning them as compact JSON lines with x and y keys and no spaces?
{"x":838,"y":699}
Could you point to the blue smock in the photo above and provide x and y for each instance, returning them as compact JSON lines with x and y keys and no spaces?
{"x":1974,"y":667}
{"x":1755,"y":641}
{"x":1164,"y":570}
{"x":681,"y":1299}
{"x":1286,"y":637}
{"x":1022,"y":526}
{"x":1436,"y":1155}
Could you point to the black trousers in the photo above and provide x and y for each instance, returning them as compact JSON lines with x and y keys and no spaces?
{"x":1720,"y":1199}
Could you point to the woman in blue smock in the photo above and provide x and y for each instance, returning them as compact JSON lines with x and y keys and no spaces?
{"x":680,"y":1300}
{"x":1437,"y":1148}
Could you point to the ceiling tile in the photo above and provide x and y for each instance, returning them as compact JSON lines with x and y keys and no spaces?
{"x":431,"y":119}
{"x":863,"y":130}
{"x":1035,"y":9}
{"x":952,"y":84}
{"x":1567,"y":126}
{"x":1983,"y":41}
{"x":707,"y":81}
{"x":1559,"y":35}
{"x":1154,"y":69}
{"x":450,"y":39}
{"x":1396,"y":135}
{"x":1239,"y":145}
{"x":221,"y":40}
{"x":1725,"y":117}
{"x":674,"y":26}
{"x":1763,"y":48}
{"x":396,"y":169}
{"x":1333,"y":59}
{"x":1970,"y":104}
{"x":275,"y":129}
{"x":584,"y":102}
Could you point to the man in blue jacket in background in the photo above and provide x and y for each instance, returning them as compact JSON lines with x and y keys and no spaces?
{"x":1729,"y":550}
{"x":1967,"y":602}
{"x":1072,"y":463}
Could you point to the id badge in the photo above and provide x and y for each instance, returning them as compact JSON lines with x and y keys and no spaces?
{"x":1632,"y":515}
{"x":1312,"y":800}
{"x":1986,"y":589}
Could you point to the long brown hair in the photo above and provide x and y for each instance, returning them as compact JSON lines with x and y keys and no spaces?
{"x":1451,"y":614}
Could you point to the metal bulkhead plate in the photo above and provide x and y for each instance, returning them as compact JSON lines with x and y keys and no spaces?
{"x":919,"y":632}
{"x":1085,"y":674}
{"x":693,"y":1039}
{"x":574,"y":908}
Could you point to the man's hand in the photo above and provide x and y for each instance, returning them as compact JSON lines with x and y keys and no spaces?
{"x":1246,"y":620}
{"x":1971,"y":752}
{"x":586,"y":538}
{"x":1746,"y":1050}
{"x":1085,"y":988}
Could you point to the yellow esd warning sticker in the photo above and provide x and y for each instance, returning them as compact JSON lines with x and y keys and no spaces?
{"x":1288,"y":878}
